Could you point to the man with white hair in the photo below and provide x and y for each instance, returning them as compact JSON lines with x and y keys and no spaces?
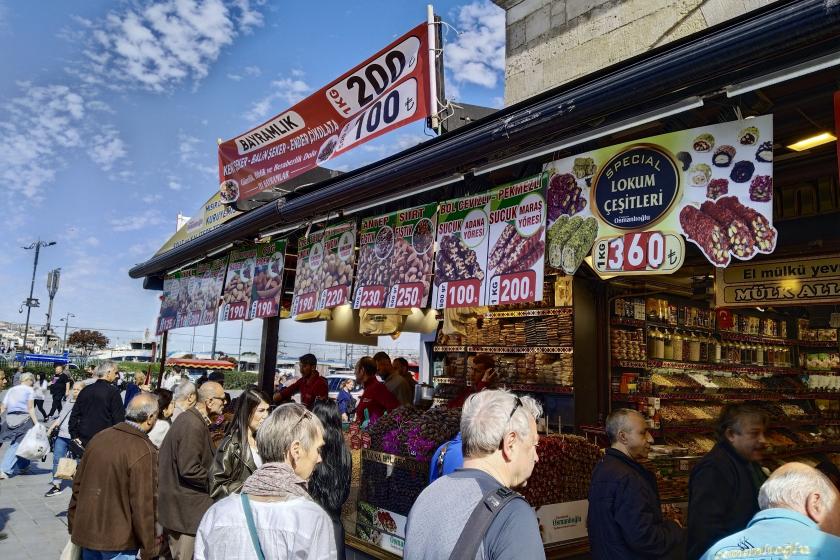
{"x":799,"y":518}
{"x":483,"y":517}
{"x":625,"y":517}
{"x":98,"y":406}
{"x":112,"y":511}
{"x":184,"y":396}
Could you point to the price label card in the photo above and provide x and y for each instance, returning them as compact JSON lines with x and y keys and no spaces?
{"x":339,"y":258}
{"x":332,"y":297}
{"x":649,"y":252}
{"x":234,"y":311}
{"x":512,"y":288}
{"x":304,"y":303}
{"x":463,"y":293}
{"x":406,"y":295}
{"x":369,"y":296}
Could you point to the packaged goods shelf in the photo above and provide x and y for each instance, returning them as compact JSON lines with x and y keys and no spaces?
{"x":506,"y":349}
{"x":512,"y":314}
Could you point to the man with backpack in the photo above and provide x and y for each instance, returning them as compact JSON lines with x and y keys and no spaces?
{"x":484,"y":517}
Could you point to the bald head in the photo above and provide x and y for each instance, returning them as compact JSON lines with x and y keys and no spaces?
{"x":804,"y":489}
{"x":211,"y":398}
{"x":143,"y":410}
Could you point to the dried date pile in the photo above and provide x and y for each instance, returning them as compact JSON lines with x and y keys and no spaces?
{"x":456,"y":261}
{"x":515,"y":253}
{"x":563,"y":472}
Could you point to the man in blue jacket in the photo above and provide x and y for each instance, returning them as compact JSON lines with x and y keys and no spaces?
{"x":625,"y":518}
{"x":799,"y":518}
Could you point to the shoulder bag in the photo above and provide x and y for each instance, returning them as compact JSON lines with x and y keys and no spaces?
{"x":252,"y":528}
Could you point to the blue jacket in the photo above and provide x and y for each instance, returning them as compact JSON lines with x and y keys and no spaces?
{"x":625,"y":518}
{"x":345,"y":403}
{"x":777,"y":533}
{"x":453,"y":459}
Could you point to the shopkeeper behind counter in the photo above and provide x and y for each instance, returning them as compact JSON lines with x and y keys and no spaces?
{"x":311,"y":385}
{"x":376,"y":399}
{"x":483,"y":376}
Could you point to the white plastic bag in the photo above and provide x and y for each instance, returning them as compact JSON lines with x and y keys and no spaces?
{"x":35,"y":444}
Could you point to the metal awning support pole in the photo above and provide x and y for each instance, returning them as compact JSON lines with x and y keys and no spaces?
{"x":268,"y":353}
{"x":163,"y":341}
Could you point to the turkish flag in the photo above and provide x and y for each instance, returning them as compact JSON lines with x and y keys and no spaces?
{"x":724,"y":319}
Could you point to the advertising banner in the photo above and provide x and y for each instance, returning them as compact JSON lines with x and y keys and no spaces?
{"x":212,"y":278}
{"x":191,"y":296}
{"x":395,"y":259}
{"x":236,"y":298}
{"x":515,"y":261}
{"x":168,"y":303}
{"x":210,"y":216}
{"x":325,"y":264}
{"x":803,"y":281}
{"x":463,"y":230}
{"x":267,"y":291}
{"x":636,"y":201}
{"x":388,"y":90}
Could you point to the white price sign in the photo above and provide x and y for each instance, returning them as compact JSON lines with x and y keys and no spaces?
{"x":646,"y":252}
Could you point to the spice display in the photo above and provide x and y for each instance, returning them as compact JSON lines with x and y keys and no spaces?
{"x":685,"y":159}
{"x":704,"y":143}
{"x":748,"y":136}
{"x":741,"y":241}
{"x":563,"y":472}
{"x":764,"y":153}
{"x":456,"y":261}
{"x":763,"y":233}
{"x":717,"y":188}
{"x":579,"y":245}
{"x":699,"y":175}
{"x":564,"y":196}
{"x":742,"y":171}
{"x":706,"y":233}
{"x":723,"y":155}
{"x":761,"y":188}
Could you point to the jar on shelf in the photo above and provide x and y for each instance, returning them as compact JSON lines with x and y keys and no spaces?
{"x":718,"y":351}
{"x":677,"y":343}
{"x":669,"y":346}
{"x":693,"y":348}
{"x":759,"y":354}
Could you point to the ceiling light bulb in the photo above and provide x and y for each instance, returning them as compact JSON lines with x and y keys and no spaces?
{"x":813,"y":142}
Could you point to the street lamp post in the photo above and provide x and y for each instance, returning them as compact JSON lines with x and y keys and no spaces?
{"x":66,"y":321}
{"x":31,"y":302}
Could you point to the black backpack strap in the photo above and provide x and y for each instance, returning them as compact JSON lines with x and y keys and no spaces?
{"x":480,"y":520}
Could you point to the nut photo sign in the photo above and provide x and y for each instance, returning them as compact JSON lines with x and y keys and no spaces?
{"x":325,"y":265}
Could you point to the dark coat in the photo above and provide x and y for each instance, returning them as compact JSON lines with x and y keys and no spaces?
{"x":186,"y":456}
{"x":223,"y":480}
{"x":115,"y":493}
{"x":625,"y":518}
{"x":722,"y":497}
{"x":98,"y":407}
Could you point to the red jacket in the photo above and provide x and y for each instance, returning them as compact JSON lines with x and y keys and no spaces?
{"x":310,"y":388}
{"x":462,"y":398}
{"x":376,"y":400}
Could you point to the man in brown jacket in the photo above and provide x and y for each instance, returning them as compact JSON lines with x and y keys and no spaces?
{"x":115,"y":488}
{"x":186,"y":456}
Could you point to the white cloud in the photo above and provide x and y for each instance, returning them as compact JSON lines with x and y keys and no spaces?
{"x":477,"y":56}
{"x":162,"y":44}
{"x":252,"y":71}
{"x":175,"y":185}
{"x":235,"y":77}
{"x":92,"y":241}
{"x":151,"y":198}
{"x":145,"y":220}
{"x":287,"y":90}
{"x":107,"y":148}
{"x":193,"y":156}
{"x":144,"y":248}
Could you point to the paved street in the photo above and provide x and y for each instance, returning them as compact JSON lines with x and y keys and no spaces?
{"x":36,"y":526}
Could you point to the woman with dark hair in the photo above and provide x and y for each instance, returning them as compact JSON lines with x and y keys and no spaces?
{"x":237,"y":457}
{"x":166,"y":407}
{"x":40,"y":386}
{"x":330,"y":482}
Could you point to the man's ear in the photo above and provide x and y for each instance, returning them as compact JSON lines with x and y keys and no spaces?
{"x":815,"y":507}
{"x":507,"y":445}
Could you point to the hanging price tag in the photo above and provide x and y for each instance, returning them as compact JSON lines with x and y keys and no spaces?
{"x":369,"y":296}
{"x":305,"y":303}
{"x":463,"y":293}
{"x":512,"y":288}
{"x":647,"y":252}
{"x":406,"y":295}
{"x":234,"y":311}
{"x":333,"y":297}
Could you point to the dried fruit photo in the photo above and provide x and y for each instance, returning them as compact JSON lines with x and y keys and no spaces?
{"x":456,"y":261}
{"x":564,"y":196}
{"x":423,"y":236}
{"x":515,"y":253}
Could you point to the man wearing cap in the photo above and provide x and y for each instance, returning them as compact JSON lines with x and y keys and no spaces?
{"x":311,"y":385}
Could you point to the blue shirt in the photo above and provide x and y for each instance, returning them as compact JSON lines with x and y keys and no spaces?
{"x":453,"y":459}
{"x":777,"y":533}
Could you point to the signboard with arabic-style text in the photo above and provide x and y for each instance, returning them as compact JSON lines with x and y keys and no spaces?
{"x":636,"y":202}
{"x":793,"y":281}
{"x":386,"y":91}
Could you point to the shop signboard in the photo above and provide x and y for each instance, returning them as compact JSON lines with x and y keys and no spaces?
{"x":388,"y":90}
{"x":711,"y":185}
{"x":211,"y":276}
{"x":191,"y":296}
{"x":267,"y":292}
{"x":169,"y":303}
{"x":463,"y":229}
{"x":210,"y":216}
{"x":515,"y":261}
{"x":395,"y":259}
{"x":795,"y":281}
{"x":236,"y":297}
{"x":563,"y":522}
{"x":325,"y":269}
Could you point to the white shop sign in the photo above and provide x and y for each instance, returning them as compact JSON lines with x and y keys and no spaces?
{"x":563,"y":522}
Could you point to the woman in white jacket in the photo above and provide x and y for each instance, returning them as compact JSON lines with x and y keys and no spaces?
{"x":287,"y":522}
{"x":40,"y":386}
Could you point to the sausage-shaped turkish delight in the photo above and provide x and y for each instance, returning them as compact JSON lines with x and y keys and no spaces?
{"x":706,"y":233}
{"x":741,"y":241}
{"x":763,"y":233}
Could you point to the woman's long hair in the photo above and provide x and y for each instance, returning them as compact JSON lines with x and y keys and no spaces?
{"x":329,"y":484}
{"x":237,"y":429}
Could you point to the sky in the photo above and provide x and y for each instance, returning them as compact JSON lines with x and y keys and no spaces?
{"x":110,"y":112}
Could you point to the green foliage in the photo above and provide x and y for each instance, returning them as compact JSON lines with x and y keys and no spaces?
{"x":87,"y":340}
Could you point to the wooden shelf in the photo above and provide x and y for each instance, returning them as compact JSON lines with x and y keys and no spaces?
{"x":506,"y":349}
{"x":756,"y":339}
{"x":516,"y":313}
{"x":540,"y":388}
{"x":818,"y":343}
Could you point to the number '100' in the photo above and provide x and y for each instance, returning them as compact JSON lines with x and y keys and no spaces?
{"x":385,"y":111}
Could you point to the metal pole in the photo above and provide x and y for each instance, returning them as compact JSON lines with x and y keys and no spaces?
{"x":31,"y":292}
{"x":66,"y":324}
{"x":215,"y":332}
{"x":192,"y":344}
{"x":241,"y":330}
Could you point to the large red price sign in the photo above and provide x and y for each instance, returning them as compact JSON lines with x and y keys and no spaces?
{"x":235,"y":311}
{"x":518,"y":287}
{"x":333,"y":297}
{"x":463,"y":293}
{"x":306,"y":303}
{"x":648,"y":252}
{"x":406,"y":295}
{"x":369,"y":296}
{"x":261,"y":308}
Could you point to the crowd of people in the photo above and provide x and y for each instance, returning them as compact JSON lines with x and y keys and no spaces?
{"x":153,"y":480}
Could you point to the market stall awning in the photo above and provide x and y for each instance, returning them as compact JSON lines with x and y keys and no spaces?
{"x":199,"y":364}
{"x":734,"y":54}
